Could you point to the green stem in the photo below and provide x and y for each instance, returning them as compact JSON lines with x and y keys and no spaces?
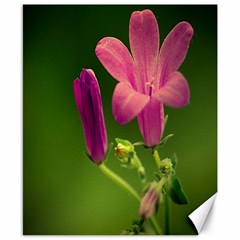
{"x":156,"y":157}
{"x":118,"y":180}
{"x":122,"y":183}
{"x":161,"y":183}
{"x":166,"y":215}
{"x":140,"y":169}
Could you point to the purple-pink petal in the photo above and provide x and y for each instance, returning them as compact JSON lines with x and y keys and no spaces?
{"x":115,"y":57}
{"x":151,"y":122}
{"x":175,"y":93}
{"x":127,"y":103}
{"x":174,"y":50}
{"x":88,"y":99}
{"x":144,"y":43}
{"x":149,"y":203}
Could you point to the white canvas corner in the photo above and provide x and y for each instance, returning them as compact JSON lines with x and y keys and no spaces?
{"x":198,"y":216}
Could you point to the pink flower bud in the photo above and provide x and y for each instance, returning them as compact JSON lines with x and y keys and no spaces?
{"x":88,"y":99}
{"x":149,"y":203}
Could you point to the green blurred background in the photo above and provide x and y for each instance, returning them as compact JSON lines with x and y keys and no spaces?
{"x":65,"y":193}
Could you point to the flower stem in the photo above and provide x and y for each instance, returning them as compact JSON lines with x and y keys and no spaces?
{"x":122,"y":183}
{"x":140,"y":169}
{"x":156,"y":157}
{"x":161,"y":183}
{"x":118,"y":180}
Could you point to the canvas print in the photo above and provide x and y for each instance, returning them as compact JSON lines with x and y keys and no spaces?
{"x":119,"y":117}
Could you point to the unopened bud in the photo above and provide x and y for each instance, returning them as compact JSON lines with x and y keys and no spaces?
{"x":149,"y":203}
{"x":166,"y":166}
{"x":122,"y":151}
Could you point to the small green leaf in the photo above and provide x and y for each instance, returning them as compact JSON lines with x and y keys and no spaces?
{"x":157,"y":176}
{"x":176,"y":193}
{"x":162,"y":143}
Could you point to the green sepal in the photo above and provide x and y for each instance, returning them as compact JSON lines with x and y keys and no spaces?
{"x":136,"y":144}
{"x":176,"y":192}
{"x":162,"y":143}
{"x":106,"y":156}
{"x":139,"y":144}
{"x":157,"y":176}
{"x":108,"y":151}
{"x":88,"y":156}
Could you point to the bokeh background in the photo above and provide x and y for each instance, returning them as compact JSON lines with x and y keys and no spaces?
{"x":65,"y":193}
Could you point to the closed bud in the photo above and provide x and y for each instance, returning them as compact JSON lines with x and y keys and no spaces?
{"x":149,"y":202}
{"x":89,"y":103}
{"x":166,"y":167}
{"x":122,"y":151}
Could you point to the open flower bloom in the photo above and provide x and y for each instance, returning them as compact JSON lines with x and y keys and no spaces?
{"x":149,"y":77}
{"x":89,"y":103}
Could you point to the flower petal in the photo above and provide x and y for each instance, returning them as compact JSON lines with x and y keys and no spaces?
{"x":144,"y":42}
{"x":127,"y":103}
{"x":151,"y":122}
{"x":175,"y":93}
{"x":116,"y":58}
{"x":174,"y":50}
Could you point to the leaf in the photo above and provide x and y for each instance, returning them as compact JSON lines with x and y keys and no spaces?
{"x":165,"y":140}
{"x":108,"y":151}
{"x":176,"y":192}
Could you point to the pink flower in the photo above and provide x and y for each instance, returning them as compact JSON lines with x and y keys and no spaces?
{"x":149,"y":77}
{"x":89,"y":103}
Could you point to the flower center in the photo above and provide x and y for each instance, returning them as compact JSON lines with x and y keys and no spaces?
{"x":151,"y":87}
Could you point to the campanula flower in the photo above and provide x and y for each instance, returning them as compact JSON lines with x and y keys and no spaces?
{"x":89,"y":103}
{"x":149,"y":77}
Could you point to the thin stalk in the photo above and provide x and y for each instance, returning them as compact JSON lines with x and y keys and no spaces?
{"x":118,"y":180}
{"x":161,"y":183}
{"x":127,"y":187}
{"x":140,"y":169}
